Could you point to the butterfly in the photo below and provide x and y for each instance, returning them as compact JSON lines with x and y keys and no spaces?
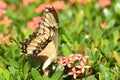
{"x":43,"y":42}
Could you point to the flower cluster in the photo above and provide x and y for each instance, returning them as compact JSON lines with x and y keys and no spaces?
{"x":5,"y":20}
{"x":58,"y":5}
{"x":104,"y":3}
{"x":3,"y":7}
{"x":27,"y":2}
{"x":33,"y":24}
{"x":3,"y":38}
{"x":76,"y":64}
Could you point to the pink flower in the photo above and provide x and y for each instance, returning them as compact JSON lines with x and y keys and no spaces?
{"x":103,"y":25}
{"x":6,"y":21}
{"x":64,"y":61}
{"x":82,"y":66}
{"x":75,"y":57}
{"x":58,"y":5}
{"x":76,"y":64}
{"x":27,"y":2}
{"x":104,"y":3}
{"x":3,"y":5}
{"x":2,"y":11}
{"x":84,"y":58}
{"x":1,"y":38}
{"x":41,"y":7}
{"x":4,"y":39}
{"x":74,"y":72}
{"x":72,"y":1}
{"x":33,"y":24}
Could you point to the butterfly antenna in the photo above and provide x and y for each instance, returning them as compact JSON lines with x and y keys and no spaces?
{"x":13,"y":40}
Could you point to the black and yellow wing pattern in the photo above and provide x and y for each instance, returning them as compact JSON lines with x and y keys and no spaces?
{"x":43,"y":42}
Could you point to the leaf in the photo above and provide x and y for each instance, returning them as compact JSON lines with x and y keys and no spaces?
{"x":66,"y":40}
{"x":116,"y":36}
{"x":12,"y":70}
{"x":14,"y":63}
{"x":65,"y":50}
{"x":58,"y":73}
{"x":95,"y":56}
{"x":35,"y":74}
{"x":110,"y":31}
{"x":4,"y":73}
{"x":26,"y":70}
{"x":104,"y":70}
{"x":88,"y":53}
{"x":116,"y":56}
{"x":91,"y":77}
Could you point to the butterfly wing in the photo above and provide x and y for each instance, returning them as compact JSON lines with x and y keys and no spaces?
{"x":43,"y":42}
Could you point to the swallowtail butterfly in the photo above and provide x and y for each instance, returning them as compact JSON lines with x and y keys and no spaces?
{"x":43,"y":42}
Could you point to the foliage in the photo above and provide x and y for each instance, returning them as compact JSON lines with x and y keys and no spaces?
{"x":82,"y":26}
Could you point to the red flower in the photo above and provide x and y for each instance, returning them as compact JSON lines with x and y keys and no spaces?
{"x":27,"y":2}
{"x":104,"y":3}
{"x":33,"y":24}
{"x":6,"y":21}
{"x":58,"y":5}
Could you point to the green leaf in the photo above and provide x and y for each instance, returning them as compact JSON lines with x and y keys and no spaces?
{"x":58,"y":73}
{"x":91,"y":77}
{"x":65,"y":50}
{"x":26,"y":70}
{"x":117,"y":57}
{"x":110,"y":31}
{"x":35,"y":74}
{"x":12,"y":70}
{"x":4,"y":73}
{"x":116,"y":36}
{"x":88,"y":53}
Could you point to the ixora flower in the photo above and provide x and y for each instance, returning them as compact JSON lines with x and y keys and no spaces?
{"x":3,"y":7}
{"x":104,"y":3}
{"x":74,"y":72}
{"x":33,"y":24}
{"x":104,"y":25}
{"x":76,"y":64}
{"x":6,"y":21}
{"x":3,"y":38}
{"x":27,"y":2}
{"x":58,"y":5}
